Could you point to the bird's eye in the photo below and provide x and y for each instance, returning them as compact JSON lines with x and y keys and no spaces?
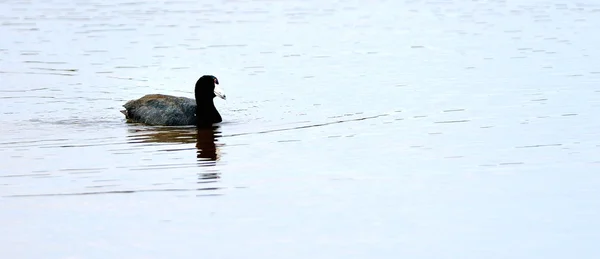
{"x":216,"y":81}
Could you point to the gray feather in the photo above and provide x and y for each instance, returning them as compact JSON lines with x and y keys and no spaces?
{"x":158,"y":109}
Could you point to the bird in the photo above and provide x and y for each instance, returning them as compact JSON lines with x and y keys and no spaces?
{"x":168,"y":110}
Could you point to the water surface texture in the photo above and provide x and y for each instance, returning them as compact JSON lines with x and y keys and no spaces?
{"x":352,"y":129}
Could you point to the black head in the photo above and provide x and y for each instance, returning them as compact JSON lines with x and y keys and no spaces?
{"x":205,"y":87}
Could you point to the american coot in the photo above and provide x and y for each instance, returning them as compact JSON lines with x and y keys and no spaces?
{"x":159,"y":109}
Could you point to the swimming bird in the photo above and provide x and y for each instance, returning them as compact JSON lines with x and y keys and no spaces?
{"x":167,"y":110}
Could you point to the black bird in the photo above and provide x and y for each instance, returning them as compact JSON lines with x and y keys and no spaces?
{"x":159,"y":109}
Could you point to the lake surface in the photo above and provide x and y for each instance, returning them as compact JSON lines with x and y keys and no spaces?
{"x":352,"y":129}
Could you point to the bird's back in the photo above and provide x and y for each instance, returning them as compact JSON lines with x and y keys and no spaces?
{"x":159,"y":109}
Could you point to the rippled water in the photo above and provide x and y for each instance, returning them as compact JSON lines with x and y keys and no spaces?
{"x":383,"y":129}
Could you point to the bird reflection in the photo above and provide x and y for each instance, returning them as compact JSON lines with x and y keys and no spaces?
{"x":207,"y":151}
{"x":178,"y":139}
{"x":160,"y":135}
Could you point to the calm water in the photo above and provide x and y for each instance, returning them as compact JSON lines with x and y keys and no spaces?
{"x":353,"y":129}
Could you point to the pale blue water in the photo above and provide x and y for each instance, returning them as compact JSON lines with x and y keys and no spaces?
{"x":386,"y":129}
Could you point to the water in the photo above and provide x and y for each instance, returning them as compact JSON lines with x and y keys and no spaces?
{"x":387,"y":129}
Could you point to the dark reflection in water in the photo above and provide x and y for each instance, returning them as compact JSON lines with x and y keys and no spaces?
{"x":206,"y":139}
{"x":208,"y":152}
{"x":158,"y":135}
{"x":165,"y":140}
